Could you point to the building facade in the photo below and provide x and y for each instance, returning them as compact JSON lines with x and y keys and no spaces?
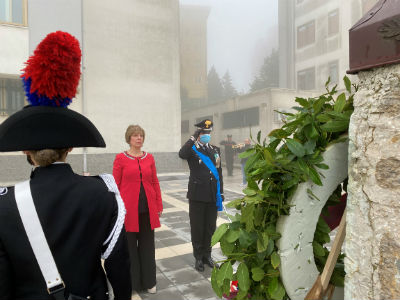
{"x":14,"y":51}
{"x":314,"y":40}
{"x":130,"y":75}
{"x":244,"y":115}
{"x":193,"y":54}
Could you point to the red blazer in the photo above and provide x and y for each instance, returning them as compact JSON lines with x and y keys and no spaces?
{"x":127,"y":176}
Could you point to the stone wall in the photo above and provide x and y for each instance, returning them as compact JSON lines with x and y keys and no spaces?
{"x":373,"y":209}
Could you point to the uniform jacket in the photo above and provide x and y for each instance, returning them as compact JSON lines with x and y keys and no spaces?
{"x":77,"y":215}
{"x":229,"y":151}
{"x":127,"y":176}
{"x":202,"y":185}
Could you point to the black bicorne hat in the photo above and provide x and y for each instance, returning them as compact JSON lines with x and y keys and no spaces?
{"x":45,"y":127}
{"x":206,"y":125}
{"x":50,"y":79}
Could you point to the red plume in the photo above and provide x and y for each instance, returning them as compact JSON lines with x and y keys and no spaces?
{"x":54,"y":67}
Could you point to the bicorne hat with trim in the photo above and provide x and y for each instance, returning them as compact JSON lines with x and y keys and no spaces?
{"x":50,"y":80}
{"x":205,"y":125}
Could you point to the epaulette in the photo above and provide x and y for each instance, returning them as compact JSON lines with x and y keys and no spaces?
{"x":3,"y":191}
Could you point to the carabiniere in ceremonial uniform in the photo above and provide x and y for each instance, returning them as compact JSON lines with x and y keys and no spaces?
{"x":205,"y":190}
{"x":56,"y":227}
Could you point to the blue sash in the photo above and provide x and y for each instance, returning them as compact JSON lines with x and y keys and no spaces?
{"x":210,"y":165}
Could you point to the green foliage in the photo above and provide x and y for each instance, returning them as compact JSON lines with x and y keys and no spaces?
{"x":268,"y":74}
{"x":229,"y":90}
{"x":274,"y":170}
{"x":215,"y":89}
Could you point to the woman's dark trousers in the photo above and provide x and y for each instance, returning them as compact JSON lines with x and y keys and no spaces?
{"x":142,"y":255}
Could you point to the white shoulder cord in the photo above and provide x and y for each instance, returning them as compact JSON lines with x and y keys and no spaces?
{"x":112,"y":187}
{"x":37,"y":239}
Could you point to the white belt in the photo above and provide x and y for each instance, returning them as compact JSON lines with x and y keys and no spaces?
{"x":37,"y":239}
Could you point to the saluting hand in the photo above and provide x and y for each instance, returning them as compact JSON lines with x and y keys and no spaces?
{"x":196,"y":134}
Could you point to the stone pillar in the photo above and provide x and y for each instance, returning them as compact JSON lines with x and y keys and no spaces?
{"x":372,"y":242}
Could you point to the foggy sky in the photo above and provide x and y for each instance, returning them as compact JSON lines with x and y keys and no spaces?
{"x":240,"y":34}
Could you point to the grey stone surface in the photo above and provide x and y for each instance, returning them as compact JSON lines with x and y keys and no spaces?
{"x":162,"y":282}
{"x":164,"y":234}
{"x":171,"y":293}
{"x":373,"y":224}
{"x":173,"y":241}
{"x":183,"y":276}
{"x":173,"y":263}
{"x":197,"y":290}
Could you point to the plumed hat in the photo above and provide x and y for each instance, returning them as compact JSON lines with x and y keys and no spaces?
{"x":206,"y":125}
{"x":50,"y":80}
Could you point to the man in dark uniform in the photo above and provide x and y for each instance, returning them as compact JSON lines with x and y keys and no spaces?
{"x":205,"y":191}
{"x":229,"y":153}
{"x":80,"y":219}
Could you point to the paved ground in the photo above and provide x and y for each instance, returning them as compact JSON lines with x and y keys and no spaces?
{"x":176,"y":276}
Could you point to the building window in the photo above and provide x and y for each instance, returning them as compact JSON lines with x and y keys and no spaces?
{"x":306,"y":79}
{"x":198,"y":120}
{"x":241,"y":118}
{"x":306,"y":34}
{"x":333,"y":22}
{"x":13,"y":11}
{"x":334,"y":72}
{"x":184,"y":126}
{"x":12,"y":97}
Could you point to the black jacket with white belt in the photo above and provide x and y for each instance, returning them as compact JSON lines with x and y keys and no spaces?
{"x":77,"y":215}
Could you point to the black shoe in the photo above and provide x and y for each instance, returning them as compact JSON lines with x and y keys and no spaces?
{"x":209,"y":261}
{"x":199,"y":266}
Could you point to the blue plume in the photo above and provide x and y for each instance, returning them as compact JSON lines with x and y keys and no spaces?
{"x":42,"y":100}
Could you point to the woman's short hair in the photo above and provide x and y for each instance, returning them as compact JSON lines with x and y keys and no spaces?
{"x":132,"y":129}
{"x":46,"y":157}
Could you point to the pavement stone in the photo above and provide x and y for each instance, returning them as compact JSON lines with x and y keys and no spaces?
{"x":197,"y":290}
{"x":176,"y":275}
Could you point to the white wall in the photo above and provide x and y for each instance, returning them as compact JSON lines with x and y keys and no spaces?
{"x":132,"y":71}
{"x":130,"y":65}
{"x":46,"y":16}
{"x":13,"y":49}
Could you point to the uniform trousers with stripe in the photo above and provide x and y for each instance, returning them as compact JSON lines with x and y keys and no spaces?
{"x":142,"y":255}
{"x":203,"y":221}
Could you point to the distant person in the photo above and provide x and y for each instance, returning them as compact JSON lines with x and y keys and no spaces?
{"x":242,"y":148}
{"x":229,"y":153}
{"x":205,"y":191}
{"x":56,"y":226}
{"x":136,"y":176}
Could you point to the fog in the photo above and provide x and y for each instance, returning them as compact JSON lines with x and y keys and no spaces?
{"x":241,"y":33}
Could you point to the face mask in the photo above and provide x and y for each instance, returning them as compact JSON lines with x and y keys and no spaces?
{"x":205,"y":138}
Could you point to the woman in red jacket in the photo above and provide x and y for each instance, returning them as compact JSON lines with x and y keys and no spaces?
{"x":136,"y":176}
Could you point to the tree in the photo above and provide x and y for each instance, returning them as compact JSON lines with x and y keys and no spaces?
{"x":215,"y":89}
{"x":269,"y":73}
{"x":228,"y":89}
